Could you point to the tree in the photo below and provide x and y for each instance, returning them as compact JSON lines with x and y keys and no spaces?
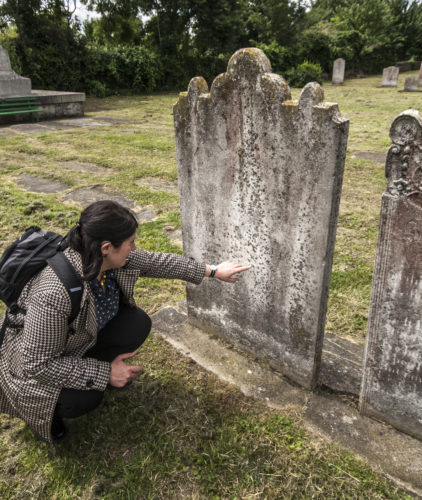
{"x":47,"y":45}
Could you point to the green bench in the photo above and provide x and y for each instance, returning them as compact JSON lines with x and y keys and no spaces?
{"x":18,"y":105}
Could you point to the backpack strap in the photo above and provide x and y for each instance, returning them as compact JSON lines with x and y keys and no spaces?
{"x":70,"y":279}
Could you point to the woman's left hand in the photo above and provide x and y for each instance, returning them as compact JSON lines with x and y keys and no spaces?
{"x":226,"y":270}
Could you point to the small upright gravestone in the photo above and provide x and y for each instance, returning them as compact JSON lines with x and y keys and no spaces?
{"x":338,"y":71}
{"x":411,"y":84}
{"x":392,"y":382}
{"x":420,"y":77}
{"x":260,"y":179}
{"x":10,"y":82}
{"x":390,"y":76}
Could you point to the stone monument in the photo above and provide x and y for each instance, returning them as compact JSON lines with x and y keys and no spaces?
{"x":11,"y":84}
{"x":260,"y":178}
{"x":420,"y":77}
{"x":390,"y":76}
{"x":392,"y":381}
{"x":411,"y":84}
{"x":338,"y":71}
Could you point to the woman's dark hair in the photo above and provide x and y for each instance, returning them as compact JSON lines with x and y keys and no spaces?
{"x":101,"y":221}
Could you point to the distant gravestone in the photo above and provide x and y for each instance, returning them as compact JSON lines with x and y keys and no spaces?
{"x":392,"y":382}
{"x":390,"y":76}
{"x":420,"y":77}
{"x":10,"y":82}
{"x":338,"y":71}
{"x":411,"y":84}
{"x":260,"y":179}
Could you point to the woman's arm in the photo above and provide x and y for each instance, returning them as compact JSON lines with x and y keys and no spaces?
{"x":168,"y":265}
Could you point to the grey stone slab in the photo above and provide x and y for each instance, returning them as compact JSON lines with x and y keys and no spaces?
{"x":30,"y":128}
{"x":40,"y":184}
{"x":87,"y":195}
{"x":420,"y":77}
{"x":392,"y":382}
{"x":370,"y":155}
{"x":174,"y":235}
{"x":260,"y":179}
{"x":110,"y":119}
{"x":58,"y":125}
{"x":339,"y":67}
{"x":85,"y":167}
{"x":333,"y":417}
{"x":157,"y":184}
{"x":390,"y":76}
{"x":82,"y":122}
{"x":6,"y":132}
{"x":144,"y":214}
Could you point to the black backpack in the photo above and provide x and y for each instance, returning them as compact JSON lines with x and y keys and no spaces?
{"x":25,"y":257}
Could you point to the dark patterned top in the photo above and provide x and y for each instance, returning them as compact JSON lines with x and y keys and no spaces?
{"x":106,"y":298}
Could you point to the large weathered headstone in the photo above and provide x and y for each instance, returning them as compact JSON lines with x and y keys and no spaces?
{"x":411,"y":84}
{"x":260,"y":179}
{"x":10,"y":82}
{"x":390,"y":76}
{"x":392,"y":382}
{"x":338,"y":71}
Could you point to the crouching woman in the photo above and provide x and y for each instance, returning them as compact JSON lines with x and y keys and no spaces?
{"x":50,"y":370}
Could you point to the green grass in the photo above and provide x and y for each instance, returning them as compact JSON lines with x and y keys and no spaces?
{"x":179,"y":432}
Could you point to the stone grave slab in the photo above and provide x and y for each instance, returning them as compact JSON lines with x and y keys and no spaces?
{"x":88,"y":195}
{"x":85,"y":167}
{"x":392,"y":380}
{"x":40,"y":184}
{"x":82,"y":122}
{"x":30,"y":128}
{"x":258,"y":185}
{"x":156,"y":184}
{"x":370,"y":155}
{"x":339,"y":67}
{"x":420,"y":77}
{"x":390,"y":76}
{"x":109,"y":119}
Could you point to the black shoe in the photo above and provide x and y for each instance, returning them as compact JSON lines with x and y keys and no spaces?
{"x":58,"y":429}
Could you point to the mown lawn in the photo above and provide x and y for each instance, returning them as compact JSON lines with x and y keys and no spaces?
{"x":179,"y":432}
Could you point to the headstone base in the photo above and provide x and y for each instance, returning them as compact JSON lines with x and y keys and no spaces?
{"x":54,"y":105}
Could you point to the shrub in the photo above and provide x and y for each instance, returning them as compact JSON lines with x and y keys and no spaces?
{"x":303,"y":74}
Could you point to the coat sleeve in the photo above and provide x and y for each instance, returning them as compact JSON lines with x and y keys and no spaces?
{"x":165,"y":265}
{"x":43,"y":341}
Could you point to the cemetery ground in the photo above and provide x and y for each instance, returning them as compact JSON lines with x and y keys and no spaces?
{"x":178,"y":431}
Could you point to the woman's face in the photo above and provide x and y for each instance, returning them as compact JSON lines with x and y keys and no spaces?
{"x":115,"y":257}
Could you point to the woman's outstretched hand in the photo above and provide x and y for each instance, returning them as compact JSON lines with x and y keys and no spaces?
{"x":121,"y":373}
{"x":226,"y":270}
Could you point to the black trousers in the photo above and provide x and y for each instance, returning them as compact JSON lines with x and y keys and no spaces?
{"x":124,"y":333}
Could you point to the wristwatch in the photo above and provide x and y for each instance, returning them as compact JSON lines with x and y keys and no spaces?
{"x":213,"y":271}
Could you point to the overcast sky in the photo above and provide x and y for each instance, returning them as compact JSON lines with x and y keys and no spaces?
{"x":82,"y":12}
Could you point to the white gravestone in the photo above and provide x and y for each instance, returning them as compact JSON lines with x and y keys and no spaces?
{"x":338,"y":71}
{"x":260,"y":179}
{"x":390,"y":76}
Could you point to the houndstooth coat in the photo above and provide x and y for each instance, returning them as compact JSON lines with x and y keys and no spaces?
{"x":43,"y":354}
